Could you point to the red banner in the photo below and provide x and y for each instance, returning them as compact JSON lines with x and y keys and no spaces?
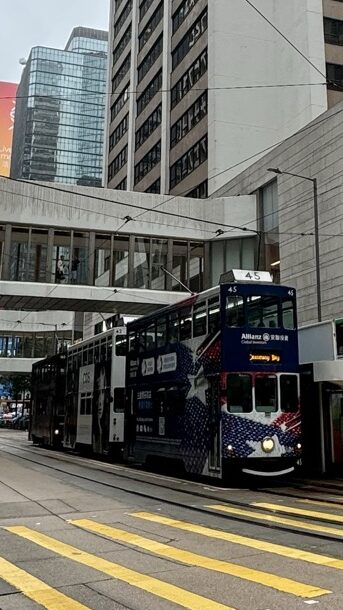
{"x":7,"y":108}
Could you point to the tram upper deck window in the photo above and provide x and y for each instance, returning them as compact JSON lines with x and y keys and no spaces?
{"x":121,"y":345}
{"x":263,"y":311}
{"x":132,"y":341}
{"x":266,"y":393}
{"x":151,"y":336}
{"x":239,"y":393}
{"x":288,"y":317}
{"x":234,"y":313}
{"x":141,"y":345}
{"x":199,"y":319}
{"x":289,"y":393}
{"x":173,"y":327}
{"x":213,"y":315}
{"x":185,"y":324}
{"x":161,"y":331}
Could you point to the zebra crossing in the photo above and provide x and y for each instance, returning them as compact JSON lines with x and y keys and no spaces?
{"x":175,"y":594}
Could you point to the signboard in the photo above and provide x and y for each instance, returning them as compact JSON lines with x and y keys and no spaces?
{"x":167,"y":363}
{"x":246,"y":275}
{"x":86,"y":379}
{"x":7,"y":108}
{"x":264,"y":357}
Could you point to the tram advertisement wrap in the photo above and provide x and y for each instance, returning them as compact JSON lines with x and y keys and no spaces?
{"x":7,"y":108}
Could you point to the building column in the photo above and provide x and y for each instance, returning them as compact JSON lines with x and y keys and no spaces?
{"x":131,"y":261}
{"x":50,"y":275}
{"x":6,"y":257}
{"x":91,"y":258}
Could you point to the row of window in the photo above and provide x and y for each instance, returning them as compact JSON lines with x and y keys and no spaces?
{"x":118,"y":133}
{"x":117,"y":163}
{"x":263,"y":393}
{"x":149,"y":126}
{"x":122,"y":44}
{"x":121,"y":73}
{"x":334,"y":73}
{"x":152,"y":158}
{"x":117,"y":4}
{"x":197,"y":69}
{"x":184,"y":166}
{"x":144,"y":7}
{"x":155,"y":187}
{"x":333,"y":31}
{"x":188,"y":120}
{"x":180,"y":325}
{"x":122,"y":186}
{"x":200,"y":191}
{"x":182,"y":13}
{"x":259,"y":312}
{"x":120,"y":102}
{"x":150,"y":26}
{"x":150,"y":59}
{"x":149,"y":93}
{"x":122,"y":18}
{"x":188,"y":41}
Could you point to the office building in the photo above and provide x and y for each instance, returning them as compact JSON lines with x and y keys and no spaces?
{"x":59,"y":121}
{"x":198,"y":86}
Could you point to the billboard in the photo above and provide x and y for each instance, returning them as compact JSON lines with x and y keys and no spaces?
{"x":7,"y":107}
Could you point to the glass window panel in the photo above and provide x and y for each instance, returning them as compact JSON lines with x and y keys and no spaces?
{"x":173,"y":327}
{"x":235,"y":311}
{"x":200,"y":319}
{"x":121,"y":261}
{"x":239,"y":393}
{"x":179,"y":269}
{"x":151,"y":336}
{"x":213,"y":315}
{"x":288,"y":315}
{"x":161,"y":334}
{"x":266,"y":393}
{"x":263,"y":311}
{"x":141,"y":263}
{"x":185,"y":324}
{"x":289,"y":393}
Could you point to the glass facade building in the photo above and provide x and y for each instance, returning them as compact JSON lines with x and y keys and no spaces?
{"x":60,"y":112}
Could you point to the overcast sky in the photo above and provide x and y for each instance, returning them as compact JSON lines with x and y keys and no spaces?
{"x":27,"y":23}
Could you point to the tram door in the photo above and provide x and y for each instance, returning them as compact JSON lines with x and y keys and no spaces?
{"x":214,"y":458}
{"x":336,"y":415}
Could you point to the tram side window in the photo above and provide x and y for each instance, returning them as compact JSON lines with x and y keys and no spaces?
{"x":289,"y":393}
{"x":263,"y":311}
{"x":141,"y":340}
{"x":213,"y":315}
{"x":120,"y":345}
{"x":234,"y":311}
{"x":173,"y":327}
{"x":132,"y":341}
{"x":161,"y":331}
{"x":185,"y":324}
{"x":288,"y":317}
{"x":266,"y":393}
{"x":239,"y":393}
{"x":199,"y":319}
{"x":151,"y":337}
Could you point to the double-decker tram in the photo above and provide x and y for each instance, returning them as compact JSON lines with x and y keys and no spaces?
{"x":95,"y":394}
{"x":213,"y":382}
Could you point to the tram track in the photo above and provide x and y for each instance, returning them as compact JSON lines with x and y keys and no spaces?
{"x":122,"y":472}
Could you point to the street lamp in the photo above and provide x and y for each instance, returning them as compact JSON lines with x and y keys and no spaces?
{"x":277,"y":170}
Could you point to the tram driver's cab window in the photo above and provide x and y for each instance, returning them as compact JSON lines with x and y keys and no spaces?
{"x":239,"y":393}
{"x":266,"y":393}
{"x":263,"y":311}
{"x":234,"y":312}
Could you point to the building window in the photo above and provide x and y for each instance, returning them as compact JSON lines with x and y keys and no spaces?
{"x":188,"y":41}
{"x":122,"y":18}
{"x":149,"y":126}
{"x":120,"y":102}
{"x":334,"y":73}
{"x":151,"y":26}
{"x":121,"y":73}
{"x":189,"y":79}
{"x":150,"y":59}
{"x":122,"y":44}
{"x":149,"y":93}
{"x":184,"y":166}
{"x":155,"y":187}
{"x":152,"y":158}
{"x":144,"y":7}
{"x":200,"y":191}
{"x":182,"y":13}
{"x":117,"y":163}
{"x":118,"y":133}
{"x":333,"y":31}
{"x":188,"y":120}
{"x":122,"y":186}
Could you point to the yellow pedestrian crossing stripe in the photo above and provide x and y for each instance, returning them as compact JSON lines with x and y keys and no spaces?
{"x":242,"y":512}
{"x":279,"y":583}
{"x":300,"y":511}
{"x":36,"y":589}
{"x":261,"y":545}
{"x":171,"y":593}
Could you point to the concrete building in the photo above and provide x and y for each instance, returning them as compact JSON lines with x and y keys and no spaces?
{"x":60,"y":110}
{"x":198,"y":86}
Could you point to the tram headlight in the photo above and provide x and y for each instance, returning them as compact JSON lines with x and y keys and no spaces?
{"x":299,"y":445}
{"x":268,"y":445}
{"x":56,"y":432}
{"x":230,"y":448}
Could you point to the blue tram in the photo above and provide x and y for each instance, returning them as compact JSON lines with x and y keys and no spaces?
{"x":213,"y":382}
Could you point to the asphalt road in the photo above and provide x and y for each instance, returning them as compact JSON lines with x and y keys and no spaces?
{"x":78,"y":535}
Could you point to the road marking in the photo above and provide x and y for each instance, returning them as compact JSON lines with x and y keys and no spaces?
{"x":320,"y":503}
{"x":261,"y":545}
{"x":275,"y":519}
{"x":36,"y":589}
{"x":300,"y":511}
{"x":279,"y":583}
{"x":157,"y":587}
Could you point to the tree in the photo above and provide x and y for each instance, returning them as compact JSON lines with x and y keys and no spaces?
{"x":17,"y":386}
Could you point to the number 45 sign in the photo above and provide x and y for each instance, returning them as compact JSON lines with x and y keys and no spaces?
{"x":243,"y":275}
